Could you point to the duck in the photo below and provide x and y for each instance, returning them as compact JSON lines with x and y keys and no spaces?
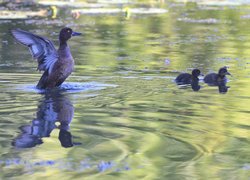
{"x":217,"y":78}
{"x":56,"y":65}
{"x":186,"y":78}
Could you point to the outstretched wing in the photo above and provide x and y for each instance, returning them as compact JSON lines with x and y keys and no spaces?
{"x":40,"y":48}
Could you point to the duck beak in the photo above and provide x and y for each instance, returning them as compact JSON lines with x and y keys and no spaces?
{"x":76,"y":33}
{"x":227,"y":73}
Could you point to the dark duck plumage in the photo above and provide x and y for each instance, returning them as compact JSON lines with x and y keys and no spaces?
{"x":186,"y":78}
{"x":56,"y":64}
{"x":217,"y":79}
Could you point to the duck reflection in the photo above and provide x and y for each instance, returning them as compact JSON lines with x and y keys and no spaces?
{"x":223,"y":88}
{"x":195,"y":85}
{"x":55,"y":107}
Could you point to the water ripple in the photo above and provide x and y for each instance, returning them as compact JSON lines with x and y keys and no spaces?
{"x":70,"y":87}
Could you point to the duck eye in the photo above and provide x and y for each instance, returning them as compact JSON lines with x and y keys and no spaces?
{"x":68,"y":31}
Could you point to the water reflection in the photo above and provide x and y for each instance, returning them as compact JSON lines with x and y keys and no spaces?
{"x":55,"y":107}
{"x":195,"y":85}
{"x":222,"y":86}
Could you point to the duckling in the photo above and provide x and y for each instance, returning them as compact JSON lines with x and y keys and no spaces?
{"x":56,"y":64}
{"x":186,"y":78}
{"x":216,"y":79}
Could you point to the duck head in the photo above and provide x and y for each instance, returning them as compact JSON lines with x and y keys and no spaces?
{"x":66,"y":33}
{"x":223,"y":72}
{"x":196,"y":72}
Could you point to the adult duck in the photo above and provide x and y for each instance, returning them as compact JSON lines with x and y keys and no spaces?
{"x":56,"y":64}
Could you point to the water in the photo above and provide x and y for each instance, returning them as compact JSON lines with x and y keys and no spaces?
{"x":120,"y":115}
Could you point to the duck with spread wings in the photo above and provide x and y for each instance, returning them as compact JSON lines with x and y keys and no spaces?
{"x":56,"y":64}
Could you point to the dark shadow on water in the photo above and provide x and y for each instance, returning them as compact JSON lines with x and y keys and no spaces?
{"x":55,"y":107}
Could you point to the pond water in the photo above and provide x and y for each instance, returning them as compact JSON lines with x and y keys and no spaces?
{"x":121,"y":114}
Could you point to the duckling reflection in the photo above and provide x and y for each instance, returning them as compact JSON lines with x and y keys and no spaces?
{"x":55,"y":107}
{"x":195,"y":85}
{"x":223,"y":88}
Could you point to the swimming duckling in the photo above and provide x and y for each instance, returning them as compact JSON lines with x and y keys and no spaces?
{"x":186,"y":78}
{"x":216,"y":79}
{"x":56,"y":64}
